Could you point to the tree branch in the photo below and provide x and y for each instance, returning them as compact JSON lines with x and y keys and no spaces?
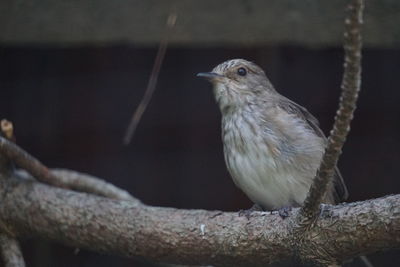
{"x":151,"y":86}
{"x":351,"y":83}
{"x":9,"y":247}
{"x":195,"y":236}
{"x":11,"y":252}
{"x":61,"y":178}
{"x":87,"y":183}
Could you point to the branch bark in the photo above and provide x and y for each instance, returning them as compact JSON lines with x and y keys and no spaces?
{"x":124,"y":226}
{"x":9,"y":246}
{"x":61,"y":178}
{"x":82,"y":182}
{"x":195,"y":236}
{"x":351,"y":84}
{"x":11,"y":252}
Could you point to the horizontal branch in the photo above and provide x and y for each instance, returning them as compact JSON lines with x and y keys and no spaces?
{"x":170,"y":235}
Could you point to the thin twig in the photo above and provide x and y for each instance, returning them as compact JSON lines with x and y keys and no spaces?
{"x":7,"y":129}
{"x":151,"y":86}
{"x":28,"y":162}
{"x":11,"y":252}
{"x":350,"y":86}
{"x":62,"y":179}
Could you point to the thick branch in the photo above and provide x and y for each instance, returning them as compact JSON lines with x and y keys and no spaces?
{"x":350,"y":87}
{"x":170,"y":235}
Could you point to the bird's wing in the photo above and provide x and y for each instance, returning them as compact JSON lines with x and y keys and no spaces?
{"x":340,"y":192}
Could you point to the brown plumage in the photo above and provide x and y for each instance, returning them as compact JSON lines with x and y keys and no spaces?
{"x":272,"y":146}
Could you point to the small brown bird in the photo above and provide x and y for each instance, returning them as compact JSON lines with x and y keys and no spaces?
{"x":272,"y":146}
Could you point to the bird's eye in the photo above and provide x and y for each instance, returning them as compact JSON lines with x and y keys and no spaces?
{"x":242,"y":71}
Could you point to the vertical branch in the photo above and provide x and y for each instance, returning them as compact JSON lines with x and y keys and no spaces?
{"x":350,"y":86}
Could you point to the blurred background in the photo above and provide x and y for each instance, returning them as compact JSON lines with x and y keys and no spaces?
{"x":73,"y":72}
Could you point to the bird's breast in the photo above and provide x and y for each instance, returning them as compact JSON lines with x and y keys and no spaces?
{"x":263,"y":163}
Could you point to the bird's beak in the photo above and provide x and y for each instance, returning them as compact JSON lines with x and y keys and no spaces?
{"x":210,"y":75}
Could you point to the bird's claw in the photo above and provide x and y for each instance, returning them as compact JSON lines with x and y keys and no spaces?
{"x":247,"y":213}
{"x":284,"y":212}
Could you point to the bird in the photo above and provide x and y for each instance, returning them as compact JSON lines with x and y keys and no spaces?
{"x":272,"y":146}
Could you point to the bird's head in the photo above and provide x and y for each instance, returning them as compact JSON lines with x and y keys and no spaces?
{"x":237,"y":82}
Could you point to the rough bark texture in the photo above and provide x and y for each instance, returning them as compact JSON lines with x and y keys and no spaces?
{"x":114,"y":222}
{"x":350,"y":86}
{"x":9,"y":246}
{"x":196,"y":236}
{"x":11,"y":252}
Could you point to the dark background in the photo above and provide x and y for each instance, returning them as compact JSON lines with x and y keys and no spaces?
{"x":71,"y":106}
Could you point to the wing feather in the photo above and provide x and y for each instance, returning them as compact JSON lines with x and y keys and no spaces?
{"x":340,"y":192}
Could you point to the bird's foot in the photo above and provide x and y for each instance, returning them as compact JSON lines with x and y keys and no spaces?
{"x":284,"y":212}
{"x":247,"y":213}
